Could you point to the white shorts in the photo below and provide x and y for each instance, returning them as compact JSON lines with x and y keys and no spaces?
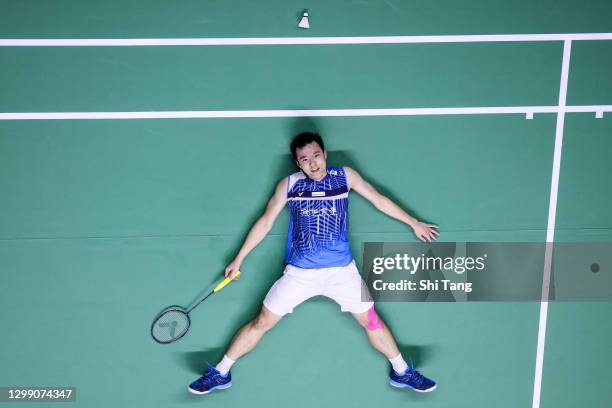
{"x":342,"y":284}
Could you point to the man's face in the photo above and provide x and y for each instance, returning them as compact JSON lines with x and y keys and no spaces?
{"x":311,"y":159}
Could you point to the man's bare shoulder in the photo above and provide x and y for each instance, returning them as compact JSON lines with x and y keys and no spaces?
{"x":352,"y":177}
{"x":348,"y":169}
{"x":281,"y":186}
{"x":283,"y":183}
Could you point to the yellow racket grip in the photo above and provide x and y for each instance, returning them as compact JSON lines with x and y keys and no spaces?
{"x":225,"y":281}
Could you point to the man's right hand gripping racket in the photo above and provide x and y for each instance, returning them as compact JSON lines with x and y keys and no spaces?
{"x":173,"y":322}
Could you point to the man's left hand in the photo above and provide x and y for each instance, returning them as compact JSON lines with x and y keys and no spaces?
{"x":426,"y":232}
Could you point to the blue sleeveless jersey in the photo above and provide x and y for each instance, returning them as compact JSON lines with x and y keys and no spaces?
{"x":318,"y":224}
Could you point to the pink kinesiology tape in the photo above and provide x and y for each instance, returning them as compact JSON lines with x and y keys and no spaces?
{"x":374,"y":322}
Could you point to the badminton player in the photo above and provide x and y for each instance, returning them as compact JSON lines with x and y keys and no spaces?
{"x":318,"y":261}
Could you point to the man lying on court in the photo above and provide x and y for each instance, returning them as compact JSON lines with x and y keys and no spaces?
{"x":318,"y":260}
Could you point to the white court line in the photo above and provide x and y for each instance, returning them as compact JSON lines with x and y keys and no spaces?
{"x":301,"y":113}
{"x":550,"y":230}
{"x":417,"y":39}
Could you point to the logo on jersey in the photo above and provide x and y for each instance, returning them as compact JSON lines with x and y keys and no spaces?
{"x":318,"y":211}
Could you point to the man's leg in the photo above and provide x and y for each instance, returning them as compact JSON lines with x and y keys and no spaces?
{"x":295,"y":286}
{"x":288,"y":292}
{"x":249,"y":335}
{"x":348,"y":289}
{"x":382,"y":339}
{"x":378,"y":333}
{"x":244,"y":341}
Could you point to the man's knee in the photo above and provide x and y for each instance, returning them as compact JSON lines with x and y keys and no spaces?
{"x":373,"y":321}
{"x":265,"y":320}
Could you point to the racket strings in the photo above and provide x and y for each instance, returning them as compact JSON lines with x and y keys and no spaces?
{"x":170,"y":325}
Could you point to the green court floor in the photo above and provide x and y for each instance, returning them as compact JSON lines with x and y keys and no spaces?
{"x":103,"y":223}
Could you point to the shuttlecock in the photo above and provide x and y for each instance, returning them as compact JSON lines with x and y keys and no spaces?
{"x":304,"y":21}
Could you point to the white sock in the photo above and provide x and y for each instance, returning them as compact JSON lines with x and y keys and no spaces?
{"x":225,"y":365}
{"x":398,"y":363}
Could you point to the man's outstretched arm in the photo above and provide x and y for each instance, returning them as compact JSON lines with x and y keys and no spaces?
{"x":424,"y":232}
{"x":261,"y":227}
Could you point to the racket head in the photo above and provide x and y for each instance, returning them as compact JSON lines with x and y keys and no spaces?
{"x":170,"y":325}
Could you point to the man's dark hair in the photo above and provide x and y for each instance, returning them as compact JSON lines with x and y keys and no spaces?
{"x":303,"y":139}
